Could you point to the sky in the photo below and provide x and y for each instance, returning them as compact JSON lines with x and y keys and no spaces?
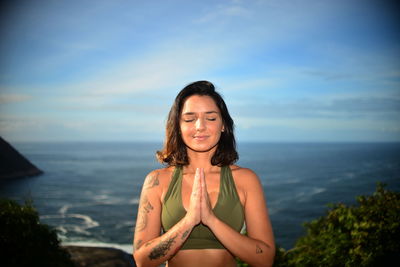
{"x":289,"y":71}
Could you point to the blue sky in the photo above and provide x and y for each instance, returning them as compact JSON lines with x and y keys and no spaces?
{"x":304,"y":70}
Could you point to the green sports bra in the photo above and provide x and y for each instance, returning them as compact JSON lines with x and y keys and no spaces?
{"x":228,"y":209}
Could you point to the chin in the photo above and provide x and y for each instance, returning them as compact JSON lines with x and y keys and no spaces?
{"x":202,"y":148}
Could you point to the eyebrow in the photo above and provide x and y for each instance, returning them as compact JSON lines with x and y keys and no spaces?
{"x":194,"y":113}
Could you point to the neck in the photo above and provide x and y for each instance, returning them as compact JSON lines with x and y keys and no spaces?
{"x":201,"y":160}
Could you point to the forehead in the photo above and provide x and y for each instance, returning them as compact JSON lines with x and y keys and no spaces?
{"x":198,"y":104}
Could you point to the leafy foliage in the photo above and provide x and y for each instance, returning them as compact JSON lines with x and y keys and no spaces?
{"x":241,"y":263}
{"x":367,"y":234}
{"x":24,"y":241}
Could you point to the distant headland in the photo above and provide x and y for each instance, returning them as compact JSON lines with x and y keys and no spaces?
{"x":13,"y":164}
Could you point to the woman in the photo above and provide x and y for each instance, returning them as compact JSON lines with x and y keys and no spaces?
{"x":201,"y":200}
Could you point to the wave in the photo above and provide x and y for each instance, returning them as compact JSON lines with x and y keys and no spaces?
{"x":64,"y":209}
{"x":87,"y":220}
{"x":277,"y":204}
{"x":307,"y":195}
{"x":134,"y":201}
{"x":124,"y":224}
{"x":85,"y":223}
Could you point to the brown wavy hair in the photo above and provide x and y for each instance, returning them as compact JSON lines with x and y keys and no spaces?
{"x":174,"y":151}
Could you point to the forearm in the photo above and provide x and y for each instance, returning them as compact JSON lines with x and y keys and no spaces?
{"x":252,"y":251}
{"x":158,"y":250}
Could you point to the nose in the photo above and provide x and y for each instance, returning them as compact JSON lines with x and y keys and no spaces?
{"x":200,"y":124}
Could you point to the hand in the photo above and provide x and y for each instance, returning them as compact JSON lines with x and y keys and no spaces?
{"x":207,"y":215}
{"x":194,"y":212}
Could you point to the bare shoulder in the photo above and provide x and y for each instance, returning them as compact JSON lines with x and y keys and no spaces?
{"x":158,"y":176}
{"x":157,"y":180}
{"x":246,"y":175}
{"x":247,"y":183}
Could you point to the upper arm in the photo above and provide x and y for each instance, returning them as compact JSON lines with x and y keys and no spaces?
{"x":148,"y":224}
{"x":258,"y":224}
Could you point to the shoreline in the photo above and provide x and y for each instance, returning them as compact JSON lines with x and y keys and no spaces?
{"x":127,"y":248}
{"x":99,"y":256}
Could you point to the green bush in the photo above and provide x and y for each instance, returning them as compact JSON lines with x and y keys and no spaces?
{"x":367,"y":234}
{"x":24,"y":241}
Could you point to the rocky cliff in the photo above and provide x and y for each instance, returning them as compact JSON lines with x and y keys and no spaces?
{"x":99,"y":257}
{"x":13,"y":164}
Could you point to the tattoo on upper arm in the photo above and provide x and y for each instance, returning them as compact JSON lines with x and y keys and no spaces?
{"x":258,"y":250}
{"x":144,"y":208}
{"x":148,"y":207}
{"x":162,"y":248}
{"x":152,"y":181}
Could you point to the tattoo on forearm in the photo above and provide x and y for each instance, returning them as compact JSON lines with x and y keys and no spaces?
{"x":258,"y":250}
{"x":162,"y":249}
{"x":149,"y":243}
{"x":144,"y":208}
{"x":138,"y":244}
{"x":185,"y":234}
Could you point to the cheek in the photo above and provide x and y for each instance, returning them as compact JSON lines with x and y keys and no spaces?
{"x":185,"y":129}
{"x":218,"y":127}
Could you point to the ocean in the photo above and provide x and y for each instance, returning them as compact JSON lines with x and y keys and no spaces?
{"x":90,"y":190}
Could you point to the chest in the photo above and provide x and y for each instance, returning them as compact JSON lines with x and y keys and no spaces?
{"x":214,"y":186}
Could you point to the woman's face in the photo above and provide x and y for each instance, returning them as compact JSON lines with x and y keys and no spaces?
{"x":200,"y":123}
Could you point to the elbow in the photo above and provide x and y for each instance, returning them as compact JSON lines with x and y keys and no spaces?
{"x":136,"y":258}
{"x":139,"y":260}
{"x":271,"y":259}
{"x":139,"y":263}
{"x":267,"y":262}
{"x":268,"y":258}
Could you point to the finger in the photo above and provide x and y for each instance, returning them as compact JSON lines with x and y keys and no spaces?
{"x":196,"y":183}
{"x":197,"y":178}
{"x":203,"y":180}
{"x":204,"y":186}
{"x":197,"y":174}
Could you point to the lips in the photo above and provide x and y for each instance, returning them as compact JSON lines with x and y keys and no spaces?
{"x":200,"y":137}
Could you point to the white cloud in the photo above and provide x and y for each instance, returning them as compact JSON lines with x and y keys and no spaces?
{"x":15,"y":127}
{"x":315,"y":129}
{"x":235,"y":44}
{"x":249,"y":84}
{"x":165,"y":67}
{"x":223,"y":12}
{"x":328,"y":108}
{"x":41,"y":128}
{"x":14,"y":98}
